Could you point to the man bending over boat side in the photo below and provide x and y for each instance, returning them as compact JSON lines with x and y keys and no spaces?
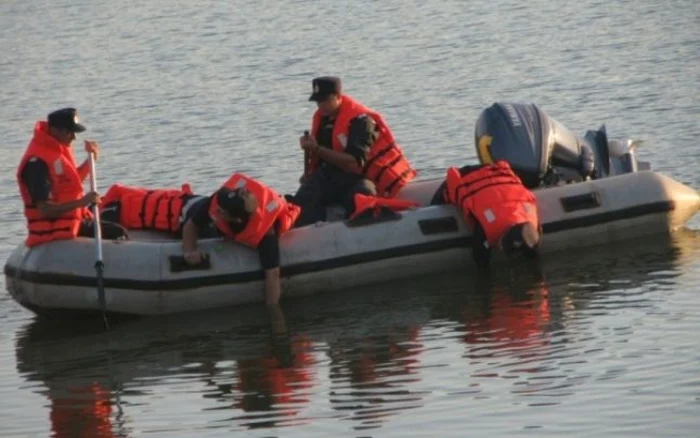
{"x":51,"y":184}
{"x":243,"y":210}
{"x":248,"y":212}
{"x":499,"y":210}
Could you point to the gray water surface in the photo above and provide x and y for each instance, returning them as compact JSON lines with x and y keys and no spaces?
{"x":601,"y":343}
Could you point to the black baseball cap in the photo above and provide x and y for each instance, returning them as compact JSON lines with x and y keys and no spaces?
{"x":231,"y":201}
{"x":66,"y":118}
{"x":324,"y":86}
{"x":513,"y":241}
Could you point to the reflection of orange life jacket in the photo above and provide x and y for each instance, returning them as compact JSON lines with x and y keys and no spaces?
{"x":66,"y":186}
{"x":510,"y":321}
{"x":148,"y":209}
{"x":399,"y":357}
{"x":85,"y":414}
{"x":386,"y":166}
{"x":272,"y":208}
{"x":267,"y":379}
{"x":364,"y":203}
{"x":494,"y":196}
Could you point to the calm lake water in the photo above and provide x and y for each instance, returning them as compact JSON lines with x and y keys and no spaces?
{"x":597,"y":343}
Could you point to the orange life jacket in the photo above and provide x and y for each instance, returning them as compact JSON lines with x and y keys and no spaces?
{"x":272,"y":208}
{"x":66,"y":186}
{"x":386,"y":166}
{"x":148,"y":209}
{"x":494,"y":196}
{"x":364,"y":203}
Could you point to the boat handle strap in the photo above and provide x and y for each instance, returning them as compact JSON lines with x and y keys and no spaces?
{"x":178,"y":263}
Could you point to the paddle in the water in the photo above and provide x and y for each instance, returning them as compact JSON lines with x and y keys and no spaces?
{"x":99,"y":264}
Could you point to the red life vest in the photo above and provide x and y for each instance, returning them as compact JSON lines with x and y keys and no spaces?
{"x":494,"y":196}
{"x":66,"y":186}
{"x":364,"y":203}
{"x":386,"y":166}
{"x":148,"y":209}
{"x":272,"y":208}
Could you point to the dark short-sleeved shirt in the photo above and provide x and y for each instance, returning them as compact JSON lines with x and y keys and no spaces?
{"x":37,"y":178}
{"x":198,"y":212}
{"x":361,"y":136}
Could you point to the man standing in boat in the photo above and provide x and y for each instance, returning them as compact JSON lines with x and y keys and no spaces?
{"x":51,"y":184}
{"x":500,"y":211}
{"x":350,"y":150}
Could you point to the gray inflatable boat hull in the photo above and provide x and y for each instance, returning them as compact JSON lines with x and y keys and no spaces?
{"x":333,"y":256}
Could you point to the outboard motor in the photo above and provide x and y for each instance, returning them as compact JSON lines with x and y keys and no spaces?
{"x":614,"y":157}
{"x":537,"y":147}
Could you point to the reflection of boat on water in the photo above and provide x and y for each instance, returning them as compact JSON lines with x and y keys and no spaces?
{"x":632,"y":261}
{"x":371,"y":377}
{"x":242,"y":365}
{"x":261,"y":367}
{"x":526,"y":326}
{"x":574,"y":278}
{"x":370,"y":345}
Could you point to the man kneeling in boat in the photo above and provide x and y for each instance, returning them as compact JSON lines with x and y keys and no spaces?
{"x":350,"y":150}
{"x":51,"y":184}
{"x":500,"y":211}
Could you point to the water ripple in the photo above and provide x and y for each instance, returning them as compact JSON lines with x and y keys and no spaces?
{"x":598,"y":343}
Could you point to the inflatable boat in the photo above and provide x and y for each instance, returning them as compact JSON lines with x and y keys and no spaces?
{"x":589,"y":191}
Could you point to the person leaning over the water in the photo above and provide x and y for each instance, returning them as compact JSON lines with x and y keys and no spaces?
{"x":51,"y":184}
{"x":499,"y":210}
{"x":350,"y":150}
{"x":248,"y":212}
{"x":243,"y":210}
{"x":232,"y":212}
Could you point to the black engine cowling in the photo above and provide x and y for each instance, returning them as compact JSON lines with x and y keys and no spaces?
{"x":532,"y":142}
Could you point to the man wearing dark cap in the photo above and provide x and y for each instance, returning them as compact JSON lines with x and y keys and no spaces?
{"x":51,"y":185}
{"x":497,"y":207}
{"x":248,"y":212}
{"x":350,"y":150}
